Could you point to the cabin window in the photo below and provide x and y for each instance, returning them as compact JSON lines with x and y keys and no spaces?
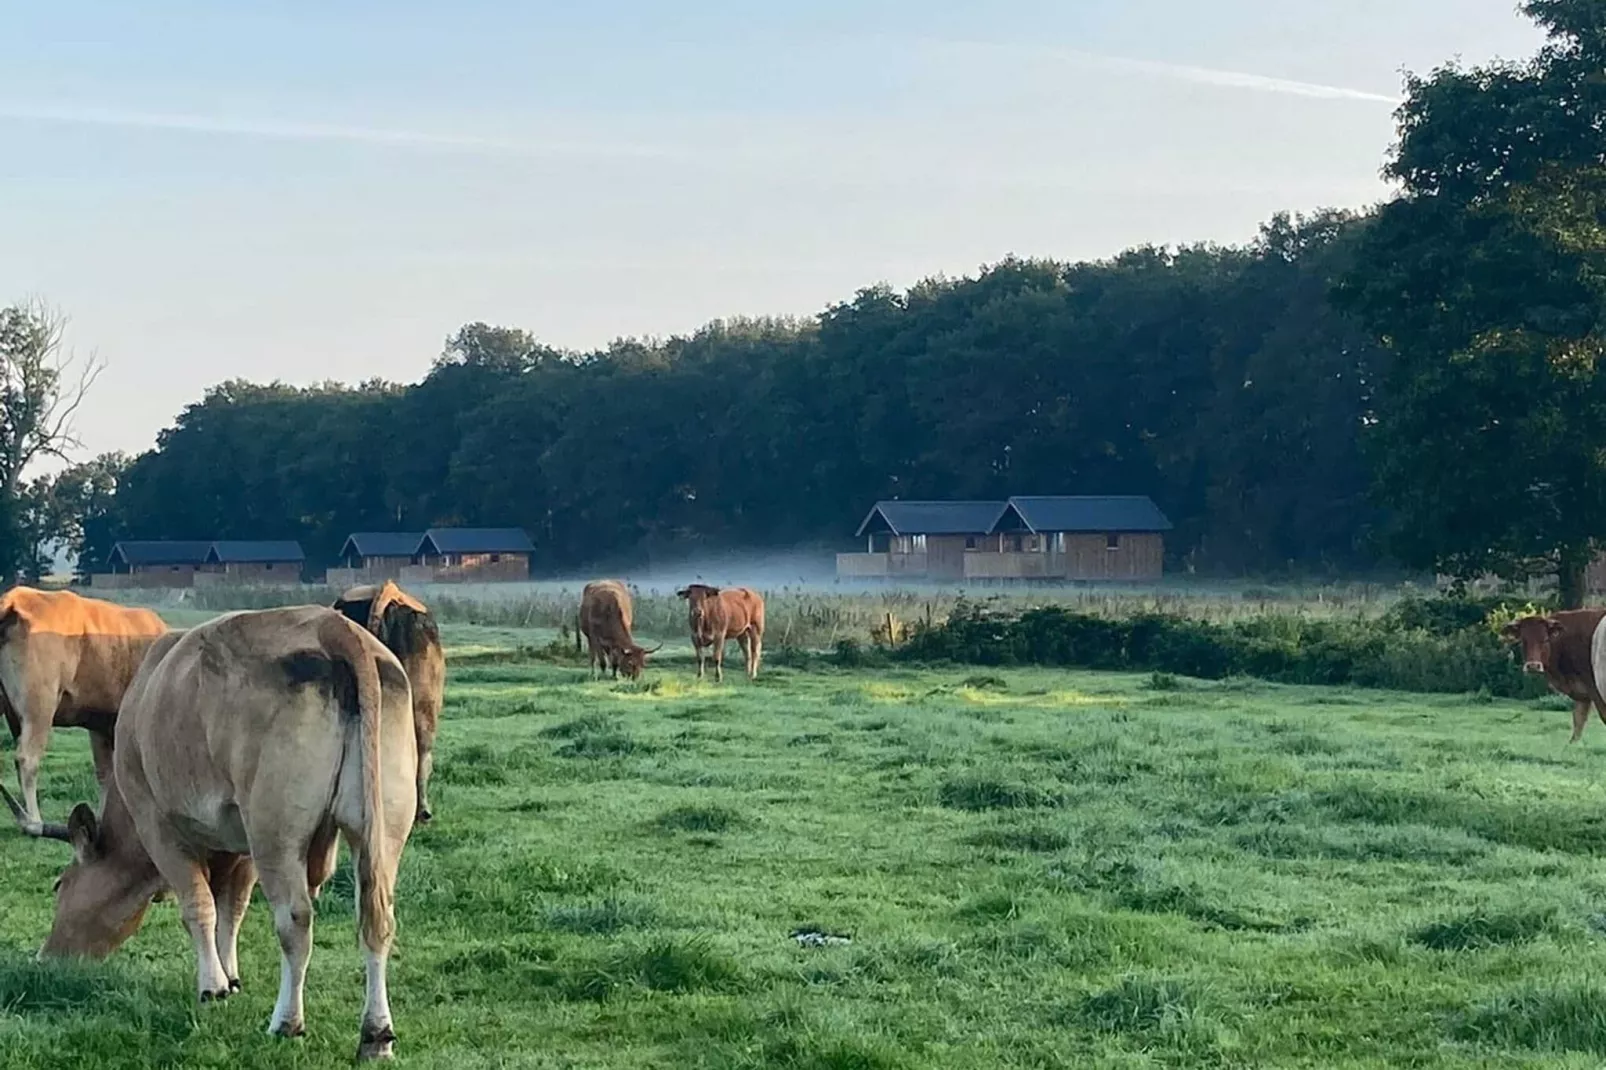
{"x":920,"y":544}
{"x":1059,"y":542}
{"x":495,"y":558}
{"x":1112,"y":541}
{"x":268,"y":566}
{"x":970,"y":542}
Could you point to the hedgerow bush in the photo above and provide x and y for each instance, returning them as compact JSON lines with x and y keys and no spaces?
{"x":1433,"y":645}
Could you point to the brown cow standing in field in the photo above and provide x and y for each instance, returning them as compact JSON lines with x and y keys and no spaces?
{"x":1560,"y":647}
{"x":718,"y":616}
{"x":407,"y":629}
{"x":245,"y":748}
{"x":606,"y":616}
{"x":65,"y":661}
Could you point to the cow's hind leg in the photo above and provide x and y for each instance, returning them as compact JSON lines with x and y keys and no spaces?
{"x":284,"y":883}
{"x":322,"y":854}
{"x":233,"y":877}
{"x":36,"y":716}
{"x":375,"y":929}
{"x":191,"y":884}
{"x":100,"y":749}
{"x":757,"y":643}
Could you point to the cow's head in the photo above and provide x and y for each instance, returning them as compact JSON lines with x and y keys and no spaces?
{"x":696,"y":594}
{"x":101,"y":898}
{"x":1534,"y":636}
{"x":632,"y":659}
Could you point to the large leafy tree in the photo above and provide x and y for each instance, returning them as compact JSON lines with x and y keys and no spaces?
{"x":1486,"y":277}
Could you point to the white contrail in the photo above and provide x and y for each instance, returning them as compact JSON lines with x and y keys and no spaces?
{"x":1179,"y":71}
{"x":299,"y":131}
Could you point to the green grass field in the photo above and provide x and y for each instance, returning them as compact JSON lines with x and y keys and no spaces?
{"x":1036,"y":869}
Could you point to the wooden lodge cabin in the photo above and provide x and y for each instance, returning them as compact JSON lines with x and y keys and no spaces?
{"x":1074,"y":538}
{"x":151,"y":563}
{"x":380,"y":555}
{"x":439,"y":555}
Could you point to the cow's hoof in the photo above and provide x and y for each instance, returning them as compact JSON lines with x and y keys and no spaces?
{"x":424,"y":817}
{"x":288,"y":1030}
{"x":234,"y":984}
{"x":216,"y":995}
{"x":377,"y":1043}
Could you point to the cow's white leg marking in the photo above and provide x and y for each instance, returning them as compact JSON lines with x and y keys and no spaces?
{"x":285,"y":886}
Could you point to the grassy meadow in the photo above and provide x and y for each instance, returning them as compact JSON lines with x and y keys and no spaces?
{"x":1032,"y":869}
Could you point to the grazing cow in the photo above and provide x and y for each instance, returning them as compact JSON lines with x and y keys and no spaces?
{"x":606,"y":616}
{"x":717,"y":617}
{"x":245,"y":748}
{"x":65,"y":661}
{"x":407,"y":629}
{"x":1560,"y":647}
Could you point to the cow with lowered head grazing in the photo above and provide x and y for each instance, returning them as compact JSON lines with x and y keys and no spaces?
{"x":1560,"y":646}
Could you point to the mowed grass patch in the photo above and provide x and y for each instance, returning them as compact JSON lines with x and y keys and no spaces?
{"x":1020,"y":868}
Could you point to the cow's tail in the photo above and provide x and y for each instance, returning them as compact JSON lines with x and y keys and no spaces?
{"x":342,"y":640}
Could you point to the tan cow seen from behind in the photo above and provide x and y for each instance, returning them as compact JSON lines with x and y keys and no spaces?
{"x":246,"y":747}
{"x":408,"y":630}
{"x":1559,"y":646}
{"x":719,"y":615}
{"x":65,"y":662}
{"x":606,"y":617}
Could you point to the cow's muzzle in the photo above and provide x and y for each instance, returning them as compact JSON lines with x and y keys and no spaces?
{"x":1533,"y":666}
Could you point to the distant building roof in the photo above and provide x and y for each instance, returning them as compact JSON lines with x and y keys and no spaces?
{"x":931,"y":518}
{"x":241,"y":552}
{"x":1106,"y":513}
{"x":1100,"y":513}
{"x":133,"y":552}
{"x":382,"y":543}
{"x":476,"y":541}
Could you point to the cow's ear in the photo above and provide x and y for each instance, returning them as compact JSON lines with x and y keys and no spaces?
{"x":83,"y":830}
{"x":1510,"y":631}
{"x":684,"y":592}
{"x":1553,"y":626}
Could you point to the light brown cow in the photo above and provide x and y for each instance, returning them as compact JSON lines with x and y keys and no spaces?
{"x":718,"y":616}
{"x":606,"y":617}
{"x":407,"y":629}
{"x":1559,"y":646}
{"x":245,"y":748}
{"x":65,"y":661}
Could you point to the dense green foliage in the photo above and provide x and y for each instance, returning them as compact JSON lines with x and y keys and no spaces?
{"x":1216,"y":380}
{"x":1437,"y":645}
{"x":1036,"y":869}
{"x":1487,"y":280}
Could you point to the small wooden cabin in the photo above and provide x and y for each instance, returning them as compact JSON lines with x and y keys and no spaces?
{"x":257,"y":562}
{"x":153,"y":563}
{"x":1065,"y":538}
{"x":380,"y":555}
{"x":476,"y":554}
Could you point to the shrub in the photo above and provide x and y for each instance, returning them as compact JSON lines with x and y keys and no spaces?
{"x":1430,"y":645}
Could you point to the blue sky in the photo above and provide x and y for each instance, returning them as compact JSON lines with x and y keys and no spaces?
{"x":326,"y":190}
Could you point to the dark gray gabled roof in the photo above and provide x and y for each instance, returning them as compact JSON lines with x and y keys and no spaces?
{"x":159,"y":552}
{"x":1108,"y":513}
{"x":243,"y":552}
{"x":933,"y":518}
{"x":476,"y":541}
{"x":382,"y":543}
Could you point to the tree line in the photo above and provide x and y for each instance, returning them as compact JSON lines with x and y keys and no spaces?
{"x":1416,"y":385}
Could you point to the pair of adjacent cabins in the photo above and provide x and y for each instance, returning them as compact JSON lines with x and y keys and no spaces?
{"x":1072,"y":538}
{"x":439,"y":555}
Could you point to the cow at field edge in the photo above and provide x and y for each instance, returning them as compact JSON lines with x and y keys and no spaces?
{"x":1559,"y":646}
{"x":606,"y":616}
{"x":719,"y":615}
{"x":245,"y":748}
{"x":65,"y":662}
{"x":407,"y":629}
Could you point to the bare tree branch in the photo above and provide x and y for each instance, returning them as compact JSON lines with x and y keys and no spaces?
{"x":43,"y":384}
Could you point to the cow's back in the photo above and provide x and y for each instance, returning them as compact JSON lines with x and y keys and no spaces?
{"x":606,"y":611}
{"x":742,"y":610}
{"x":247,"y":698}
{"x":83,"y":646}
